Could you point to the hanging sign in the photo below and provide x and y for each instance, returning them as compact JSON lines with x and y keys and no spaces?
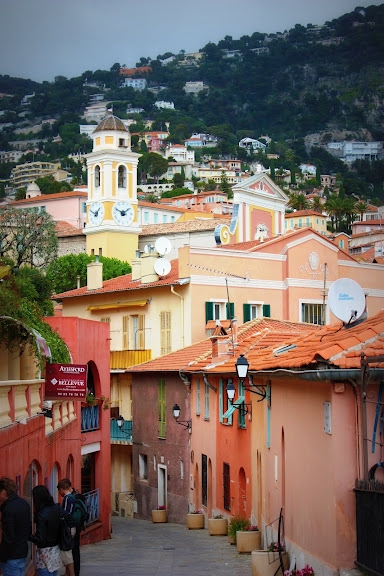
{"x":65,"y":382}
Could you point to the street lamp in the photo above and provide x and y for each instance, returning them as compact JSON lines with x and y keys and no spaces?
{"x":120,"y":423}
{"x":186,"y":423}
{"x":242,"y":366}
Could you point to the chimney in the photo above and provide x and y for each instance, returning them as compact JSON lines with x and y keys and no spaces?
{"x":220,"y":347}
{"x":148,"y":273}
{"x":94,"y":275}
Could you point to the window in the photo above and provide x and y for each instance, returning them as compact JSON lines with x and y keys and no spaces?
{"x":206,"y":402}
{"x":146,"y":217}
{"x":252,"y":311}
{"x":155,"y":218}
{"x":198,"y":396}
{"x":165,"y":333}
{"x":161,"y":405}
{"x":164,"y":218}
{"x":172,"y":218}
{"x":143,"y":467}
{"x":122,"y":143}
{"x":204,"y":479}
{"x":105,"y":319}
{"x":224,"y":403}
{"x":219,"y":311}
{"x":137,"y":332}
{"x":125,"y":329}
{"x":300,"y":222}
{"x":122,"y":177}
{"x":341,"y":243}
{"x":84,"y":208}
{"x":241,"y":411}
{"x":226,"y":487}
{"x":97,"y":176}
{"x":312,"y":313}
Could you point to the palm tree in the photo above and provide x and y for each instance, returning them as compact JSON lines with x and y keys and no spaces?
{"x":316,"y":204}
{"x":298,"y":201}
{"x":334,"y":207}
{"x":361,"y":207}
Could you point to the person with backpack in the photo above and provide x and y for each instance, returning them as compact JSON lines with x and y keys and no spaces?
{"x":74,"y":505}
{"x":68,"y":504}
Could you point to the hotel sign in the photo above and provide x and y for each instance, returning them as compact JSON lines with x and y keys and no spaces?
{"x":65,"y":382}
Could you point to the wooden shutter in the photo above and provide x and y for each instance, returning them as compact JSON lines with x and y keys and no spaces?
{"x":162,"y":406}
{"x":267,"y":310}
{"x":230,"y":310}
{"x":141,"y":332}
{"x":246,"y":312}
{"x":209,"y":311}
{"x":125,"y":332}
{"x":165,"y":333}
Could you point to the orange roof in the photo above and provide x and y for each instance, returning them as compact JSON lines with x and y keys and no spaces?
{"x":123,"y":283}
{"x":303,"y":213}
{"x":187,"y":226}
{"x":64,"y":229}
{"x":198,"y":356}
{"x":272,"y":345}
{"x":45,"y":197}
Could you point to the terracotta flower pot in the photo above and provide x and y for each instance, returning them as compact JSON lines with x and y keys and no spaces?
{"x":265,"y":563}
{"x":248,"y":541}
{"x":195,"y":521}
{"x":218,"y":526}
{"x":159,"y":516}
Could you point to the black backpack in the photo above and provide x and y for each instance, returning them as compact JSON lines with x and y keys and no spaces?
{"x":66,"y":541}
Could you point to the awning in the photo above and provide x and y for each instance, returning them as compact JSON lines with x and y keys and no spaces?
{"x":234,"y":406}
{"x":118,"y":305}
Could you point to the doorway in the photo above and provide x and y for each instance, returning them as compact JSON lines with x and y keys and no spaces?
{"x":161,"y":485}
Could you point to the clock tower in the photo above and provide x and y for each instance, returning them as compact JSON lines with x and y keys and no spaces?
{"x":112,"y":227}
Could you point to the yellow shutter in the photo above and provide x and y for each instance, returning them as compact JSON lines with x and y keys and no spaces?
{"x":141,"y":332}
{"x":165,"y":333}
{"x":125,"y":332}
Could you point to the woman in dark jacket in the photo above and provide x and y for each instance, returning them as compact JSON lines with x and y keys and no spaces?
{"x":47,"y":519}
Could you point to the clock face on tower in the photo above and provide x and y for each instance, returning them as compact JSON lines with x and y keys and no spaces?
{"x":123,"y":213}
{"x":96,"y":213}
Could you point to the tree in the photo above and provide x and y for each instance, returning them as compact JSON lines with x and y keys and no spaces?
{"x":210,"y":185}
{"x":316,"y":204}
{"x":298,"y":201}
{"x":178,"y":180}
{"x":361,"y":208}
{"x":27,"y":236}
{"x":63,"y":272}
{"x":48,"y":185}
{"x":224,"y":185}
{"x":158,"y":165}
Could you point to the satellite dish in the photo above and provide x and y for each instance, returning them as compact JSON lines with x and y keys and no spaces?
{"x":346,"y":299}
{"x":162,"y":267}
{"x":163,"y":246}
{"x":146,"y":248}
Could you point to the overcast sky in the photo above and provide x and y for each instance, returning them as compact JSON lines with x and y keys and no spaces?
{"x":41,"y":39}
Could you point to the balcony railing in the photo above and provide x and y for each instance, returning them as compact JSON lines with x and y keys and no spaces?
{"x":120,"y":359}
{"x":121,"y":434}
{"x":93,"y":504}
{"x":89,"y":418}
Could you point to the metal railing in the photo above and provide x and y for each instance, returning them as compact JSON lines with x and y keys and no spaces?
{"x":123,"y":433}
{"x":93,"y":504}
{"x":89,"y":418}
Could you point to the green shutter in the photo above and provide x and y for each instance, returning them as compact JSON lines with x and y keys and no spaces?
{"x":208,"y":311}
{"x":230,"y":309}
{"x":267,"y":310}
{"x":161,"y":403}
{"x":246,"y":312}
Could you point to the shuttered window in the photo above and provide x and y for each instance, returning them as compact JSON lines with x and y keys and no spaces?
{"x":267,"y":310}
{"x":162,"y":407}
{"x":219,"y":311}
{"x":226,"y":487}
{"x":165,"y":333}
{"x":125,"y":329}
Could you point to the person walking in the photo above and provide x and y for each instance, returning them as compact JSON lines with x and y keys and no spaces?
{"x":68,"y":494}
{"x":16,"y":527}
{"x":67,"y":504}
{"x":47,"y":520}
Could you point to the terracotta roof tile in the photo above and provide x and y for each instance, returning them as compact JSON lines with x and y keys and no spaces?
{"x":49,"y":197}
{"x":64,"y":229}
{"x":195,"y":225}
{"x":123,"y":283}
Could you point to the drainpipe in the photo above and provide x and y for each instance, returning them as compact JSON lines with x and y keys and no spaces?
{"x":182,"y":314}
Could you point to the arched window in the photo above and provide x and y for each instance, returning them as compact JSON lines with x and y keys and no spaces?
{"x":97,"y":176}
{"x":122,"y":177}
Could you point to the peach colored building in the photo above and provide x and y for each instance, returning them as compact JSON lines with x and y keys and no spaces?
{"x":67,"y":206}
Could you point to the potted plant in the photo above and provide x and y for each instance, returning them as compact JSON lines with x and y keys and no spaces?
{"x":265,"y":562}
{"x":160,"y":514}
{"x":195,"y":520}
{"x":306,"y":571}
{"x":236,"y":524}
{"x":217,"y":525}
{"x":248,"y":539}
